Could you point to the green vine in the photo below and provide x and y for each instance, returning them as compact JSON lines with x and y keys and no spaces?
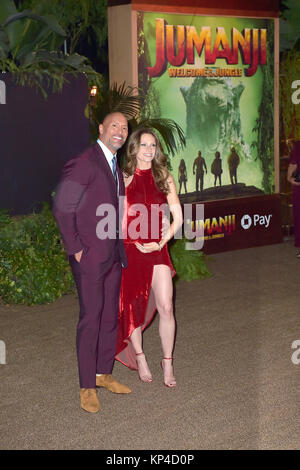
{"x":264,"y":124}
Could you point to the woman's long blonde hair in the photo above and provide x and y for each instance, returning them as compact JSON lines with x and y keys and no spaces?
{"x":159,"y":169}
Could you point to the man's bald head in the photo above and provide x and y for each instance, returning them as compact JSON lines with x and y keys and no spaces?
{"x":113,"y":131}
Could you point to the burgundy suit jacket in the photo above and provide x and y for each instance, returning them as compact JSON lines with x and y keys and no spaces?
{"x":87,"y":183}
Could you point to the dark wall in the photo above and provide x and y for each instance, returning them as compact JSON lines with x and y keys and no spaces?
{"x":37,"y":137}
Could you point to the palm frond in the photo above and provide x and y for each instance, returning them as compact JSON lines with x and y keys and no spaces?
{"x":118,"y":98}
{"x":171,"y":133}
{"x":124,"y":99}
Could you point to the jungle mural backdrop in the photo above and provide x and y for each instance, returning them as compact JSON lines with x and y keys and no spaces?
{"x":214,"y":77}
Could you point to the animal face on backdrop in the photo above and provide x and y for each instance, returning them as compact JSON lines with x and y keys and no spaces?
{"x":213,"y":118}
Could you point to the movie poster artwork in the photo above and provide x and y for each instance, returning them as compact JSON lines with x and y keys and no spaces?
{"x":214,"y":76}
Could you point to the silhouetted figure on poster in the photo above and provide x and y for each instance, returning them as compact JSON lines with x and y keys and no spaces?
{"x":233,"y":163}
{"x":182,"y":175}
{"x":216,"y":168}
{"x":199,"y":165}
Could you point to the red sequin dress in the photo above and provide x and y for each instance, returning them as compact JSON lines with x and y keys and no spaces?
{"x":143,"y":216}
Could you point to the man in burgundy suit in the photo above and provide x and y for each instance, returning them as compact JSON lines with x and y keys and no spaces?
{"x":90,"y":183}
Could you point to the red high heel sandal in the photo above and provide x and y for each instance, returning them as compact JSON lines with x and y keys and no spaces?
{"x":144,"y":378}
{"x":169,"y":382}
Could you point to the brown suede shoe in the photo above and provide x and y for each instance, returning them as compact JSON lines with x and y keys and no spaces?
{"x":107,"y":381}
{"x":89,"y":400}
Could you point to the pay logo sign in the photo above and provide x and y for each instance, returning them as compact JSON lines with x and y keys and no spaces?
{"x":246,"y":222}
{"x":256,"y":219}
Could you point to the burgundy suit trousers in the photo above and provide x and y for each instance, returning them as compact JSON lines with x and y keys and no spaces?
{"x":98,"y":286}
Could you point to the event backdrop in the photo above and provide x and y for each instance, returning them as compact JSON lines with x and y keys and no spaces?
{"x":215,"y":77}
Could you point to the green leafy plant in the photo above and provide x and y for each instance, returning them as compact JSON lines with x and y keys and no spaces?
{"x":117,"y":98}
{"x":33,"y":264}
{"x":289,"y":72}
{"x":5,"y":218}
{"x":289,"y":112}
{"x":289,"y":25}
{"x":264,"y":124}
{"x":31,"y":48}
{"x":85,"y":22}
{"x":189,"y":264}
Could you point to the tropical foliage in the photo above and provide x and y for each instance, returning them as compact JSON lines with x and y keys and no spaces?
{"x":264,"y":125}
{"x":33,"y":264}
{"x":31,"y":48}
{"x":189,"y":264}
{"x":289,"y":71}
{"x":122,"y":98}
{"x":85,"y":23}
{"x":290,"y":25}
{"x":289,"y":112}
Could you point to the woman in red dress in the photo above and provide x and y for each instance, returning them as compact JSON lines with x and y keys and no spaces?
{"x":147,"y":282}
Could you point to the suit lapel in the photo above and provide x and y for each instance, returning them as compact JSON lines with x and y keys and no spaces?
{"x":102,"y":161}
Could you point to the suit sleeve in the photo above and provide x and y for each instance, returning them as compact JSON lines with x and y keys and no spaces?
{"x":295,"y":154}
{"x":74,"y":182}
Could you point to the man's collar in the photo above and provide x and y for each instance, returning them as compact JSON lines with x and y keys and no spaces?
{"x":109,"y":155}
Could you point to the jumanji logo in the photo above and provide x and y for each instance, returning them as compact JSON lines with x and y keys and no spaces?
{"x":176,"y":45}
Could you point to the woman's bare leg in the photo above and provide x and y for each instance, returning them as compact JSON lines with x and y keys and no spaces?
{"x":163,"y":291}
{"x":137,"y":343}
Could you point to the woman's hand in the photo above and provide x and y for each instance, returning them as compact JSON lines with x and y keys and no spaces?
{"x":291,"y":169}
{"x":293,"y":182}
{"x":148,"y":247}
